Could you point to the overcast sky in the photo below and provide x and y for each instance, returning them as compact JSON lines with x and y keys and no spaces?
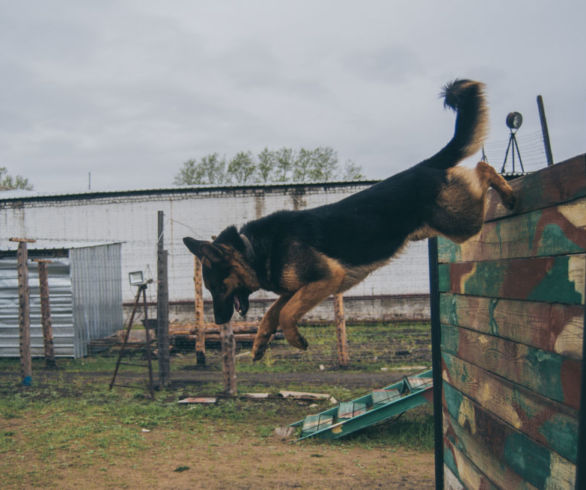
{"x":129,"y":90}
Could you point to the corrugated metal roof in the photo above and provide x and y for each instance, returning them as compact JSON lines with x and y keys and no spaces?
{"x":8,"y":246}
{"x":20,"y":195}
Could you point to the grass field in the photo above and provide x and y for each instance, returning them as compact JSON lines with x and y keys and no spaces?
{"x":69,"y":430}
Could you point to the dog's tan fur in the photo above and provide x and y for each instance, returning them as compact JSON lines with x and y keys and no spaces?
{"x":305,"y":270}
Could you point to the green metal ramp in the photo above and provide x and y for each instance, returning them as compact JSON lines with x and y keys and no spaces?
{"x":375,"y":407}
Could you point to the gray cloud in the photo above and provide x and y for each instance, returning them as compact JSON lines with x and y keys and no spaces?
{"x":129,"y":90}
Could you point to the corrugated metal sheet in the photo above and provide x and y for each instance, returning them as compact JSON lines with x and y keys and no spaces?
{"x":61,"y":302}
{"x":85,"y":298}
{"x":97,"y":293}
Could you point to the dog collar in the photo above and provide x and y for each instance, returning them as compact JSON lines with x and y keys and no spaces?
{"x":248,"y":247}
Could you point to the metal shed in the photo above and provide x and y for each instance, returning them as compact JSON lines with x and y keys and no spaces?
{"x":85,"y":295}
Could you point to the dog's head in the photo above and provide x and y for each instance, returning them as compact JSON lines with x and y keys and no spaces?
{"x":227,"y":273}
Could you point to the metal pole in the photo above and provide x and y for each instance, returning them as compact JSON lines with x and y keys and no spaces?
{"x":436,"y":360}
{"x":544,"y":131}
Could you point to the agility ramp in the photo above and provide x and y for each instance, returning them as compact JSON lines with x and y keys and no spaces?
{"x":373,"y":408}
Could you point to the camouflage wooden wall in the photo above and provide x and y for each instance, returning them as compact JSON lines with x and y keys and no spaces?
{"x":512,"y":314}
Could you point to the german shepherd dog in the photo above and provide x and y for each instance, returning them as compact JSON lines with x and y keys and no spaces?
{"x":305,"y":256}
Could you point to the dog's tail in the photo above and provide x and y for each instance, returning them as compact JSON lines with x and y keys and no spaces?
{"x":466,"y":97}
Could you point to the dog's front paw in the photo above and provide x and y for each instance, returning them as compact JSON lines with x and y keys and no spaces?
{"x":299,"y":342}
{"x":258,"y":352}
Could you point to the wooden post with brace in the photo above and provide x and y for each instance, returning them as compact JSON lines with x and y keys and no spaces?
{"x":24,"y":321}
{"x":46,"y":312}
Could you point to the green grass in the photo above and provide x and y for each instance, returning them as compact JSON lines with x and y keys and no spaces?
{"x":70,"y":417}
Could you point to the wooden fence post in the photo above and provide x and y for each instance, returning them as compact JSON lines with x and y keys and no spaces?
{"x":200,"y":333}
{"x":24,"y":320}
{"x":228,"y":357}
{"x":46,"y":313}
{"x":343,"y":357}
{"x":162,"y":305}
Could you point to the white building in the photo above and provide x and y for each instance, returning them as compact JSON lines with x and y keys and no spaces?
{"x":131,"y":217}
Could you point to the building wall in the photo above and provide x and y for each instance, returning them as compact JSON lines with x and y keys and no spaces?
{"x":512,"y":314}
{"x":132,"y":218}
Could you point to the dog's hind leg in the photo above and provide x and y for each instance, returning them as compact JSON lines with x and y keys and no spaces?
{"x":268,"y":326}
{"x":491,"y":178}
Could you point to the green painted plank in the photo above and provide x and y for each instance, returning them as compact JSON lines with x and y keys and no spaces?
{"x":546,"y":373}
{"x":551,"y":327}
{"x":347,"y":410}
{"x":551,"y":424}
{"x":384,"y":396}
{"x":317,"y":422}
{"x":548,"y":279}
{"x":323,"y":425}
{"x":558,"y":230}
{"x":532,"y":461}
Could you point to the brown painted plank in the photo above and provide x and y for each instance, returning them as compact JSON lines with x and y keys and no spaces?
{"x":552,"y":185}
{"x":533,"y":462}
{"x":486,"y":461}
{"x":551,"y":424}
{"x":549,"y":279}
{"x":551,"y":327}
{"x":462,"y":472}
{"x":557,"y":230}
{"x":546,"y":373}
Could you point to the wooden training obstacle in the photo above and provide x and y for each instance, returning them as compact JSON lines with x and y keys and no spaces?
{"x":370,"y":409}
{"x":512,"y":326}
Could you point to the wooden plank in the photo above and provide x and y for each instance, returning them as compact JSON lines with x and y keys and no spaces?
{"x":350,"y":409}
{"x":380,"y":397}
{"x":451,"y":482}
{"x":546,"y":373}
{"x":558,"y":230}
{"x":486,"y":461}
{"x":549,"y":279}
{"x":551,"y":327}
{"x":546,"y":422}
{"x":553,"y":185}
{"x":533,"y":462}
{"x":462,"y":473}
{"x":317,"y":422}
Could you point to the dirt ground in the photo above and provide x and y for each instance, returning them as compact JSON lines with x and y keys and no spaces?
{"x":222,"y":455}
{"x":242,"y":463}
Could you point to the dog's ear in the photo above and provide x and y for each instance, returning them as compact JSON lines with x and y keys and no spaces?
{"x":204,"y":250}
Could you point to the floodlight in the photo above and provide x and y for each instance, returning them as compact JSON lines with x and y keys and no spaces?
{"x":135,"y":278}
